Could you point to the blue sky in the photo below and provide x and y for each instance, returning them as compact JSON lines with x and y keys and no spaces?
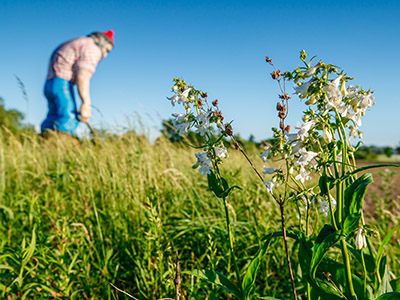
{"x":219,"y":46}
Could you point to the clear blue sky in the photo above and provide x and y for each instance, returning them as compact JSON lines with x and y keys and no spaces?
{"x":219,"y":46}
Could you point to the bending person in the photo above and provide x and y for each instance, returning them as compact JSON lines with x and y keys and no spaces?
{"x":73,"y":63}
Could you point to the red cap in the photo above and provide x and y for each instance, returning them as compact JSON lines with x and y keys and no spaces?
{"x":110,"y":35}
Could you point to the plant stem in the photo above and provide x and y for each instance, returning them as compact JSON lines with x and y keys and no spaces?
{"x":281,"y":205}
{"x":228,"y":227}
{"x":237,"y":146}
{"x":347,"y":269}
{"x":365,"y":272}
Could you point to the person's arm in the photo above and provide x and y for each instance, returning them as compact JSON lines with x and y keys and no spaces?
{"x":82,"y":82}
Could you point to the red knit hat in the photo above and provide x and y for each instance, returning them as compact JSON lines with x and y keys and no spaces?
{"x":110,"y":35}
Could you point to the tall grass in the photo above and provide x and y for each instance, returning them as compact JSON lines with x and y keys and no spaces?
{"x":76,"y":216}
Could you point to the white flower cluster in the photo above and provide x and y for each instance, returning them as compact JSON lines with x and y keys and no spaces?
{"x":350,"y":103}
{"x":204,"y":162}
{"x":200,"y":116}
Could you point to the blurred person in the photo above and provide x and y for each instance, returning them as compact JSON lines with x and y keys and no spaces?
{"x":73,"y":63}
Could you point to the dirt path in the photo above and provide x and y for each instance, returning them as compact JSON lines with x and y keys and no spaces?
{"x":385,"y":190}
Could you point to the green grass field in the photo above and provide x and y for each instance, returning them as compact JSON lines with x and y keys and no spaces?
{"x":75,"y":217}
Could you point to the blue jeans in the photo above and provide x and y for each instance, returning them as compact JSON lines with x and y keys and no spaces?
{"x":62,"y":115}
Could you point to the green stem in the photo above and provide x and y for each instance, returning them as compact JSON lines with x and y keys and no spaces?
{"x":228,"y":226}
{"x":346,"y":261}
{"x":365,"y":272}
{"x":282,"y":208}
{"x":330,"y":202}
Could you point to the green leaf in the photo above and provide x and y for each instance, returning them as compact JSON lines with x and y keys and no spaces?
{"x":251,"y":272}
{"x":395,"y":284}
{"x":324,"y":182}
{"x":28,"y":252}
{"x":345,"y":177}
{"x":383,"y":244}
{"x":213,"y":184}
{"x":369,"y":259}
{"x":326,"y":290}
{"x":325,"y":240}
{"x":389,"y":296}
{"x":8,"y":210}
{"x":354,"y":195}
{"x":218,"y":279}
{"x":220,"y":187}
{"x":351,"y":223}
{"x":384,"y":286}
{"x":229,"y":190}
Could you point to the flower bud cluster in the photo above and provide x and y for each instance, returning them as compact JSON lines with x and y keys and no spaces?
{"x":204,"y":119}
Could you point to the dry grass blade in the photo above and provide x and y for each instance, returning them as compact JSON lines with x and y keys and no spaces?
{"x":119,"y":290}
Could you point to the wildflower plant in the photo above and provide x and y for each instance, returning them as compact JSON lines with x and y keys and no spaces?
{"x":317,"y":168}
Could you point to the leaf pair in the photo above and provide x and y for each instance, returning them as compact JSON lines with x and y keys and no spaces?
{"x":219,"y":185}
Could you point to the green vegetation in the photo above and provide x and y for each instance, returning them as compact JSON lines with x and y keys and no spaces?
{"x":76,"y":216}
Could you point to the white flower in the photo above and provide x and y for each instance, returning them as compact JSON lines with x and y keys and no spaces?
{"x":306,"y":158}
{"x":264,"y":155}
{"x":290,"y":137}
{"x":352,"y":90}
{"x":355,"y":117}
{"x":180,"y":97}
{"x":221,"y":152}
{"x":181,"y":123}
{"x":303,"y":89}
{"x":332,"y":90}
{"x":269,"y":184}
{"x":269,"y":170}
{"x":204,"y":161}
{"x":203,"y":124}
{"x":327,"y":135}
{"x":303,"y":175}
{"x":354,"y":132}
{"x":304,"y":129}
{"x":361,"y":242}
{"x":312,"y":70}
{"x":366,"y":101}
{"x":324,"y":206}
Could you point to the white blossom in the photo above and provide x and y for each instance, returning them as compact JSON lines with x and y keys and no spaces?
{"x":304,"y":129}
{"x":324,"y":206}
{"x":303,"y":175}
{"x":203,"y":119}
{"x":181,"y":123}
{"x":332,"y":90}
{"x":180,"y":97}
{"x":361,"y":242}
{"x":264,"y":155}
{"x":303,"y":89}
{"x":366,"y":101}
{"x":221,"y":152}
{"x":306,"y":158}
{"x":269,"y":170}
{"x":327,"y":135}
{"x":352,"y":90}
{"x":269,"y":184}
{"x":355,"y":117}
{"x":312,"y":70}
{"x":204,"y":161}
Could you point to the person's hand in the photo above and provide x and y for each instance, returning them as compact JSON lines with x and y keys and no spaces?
{"x":85,"y":112}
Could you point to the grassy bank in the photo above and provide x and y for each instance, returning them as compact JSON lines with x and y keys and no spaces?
{"x":76,"y":216}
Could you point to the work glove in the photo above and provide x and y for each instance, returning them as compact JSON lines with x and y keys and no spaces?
{"x":85,"y":112}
